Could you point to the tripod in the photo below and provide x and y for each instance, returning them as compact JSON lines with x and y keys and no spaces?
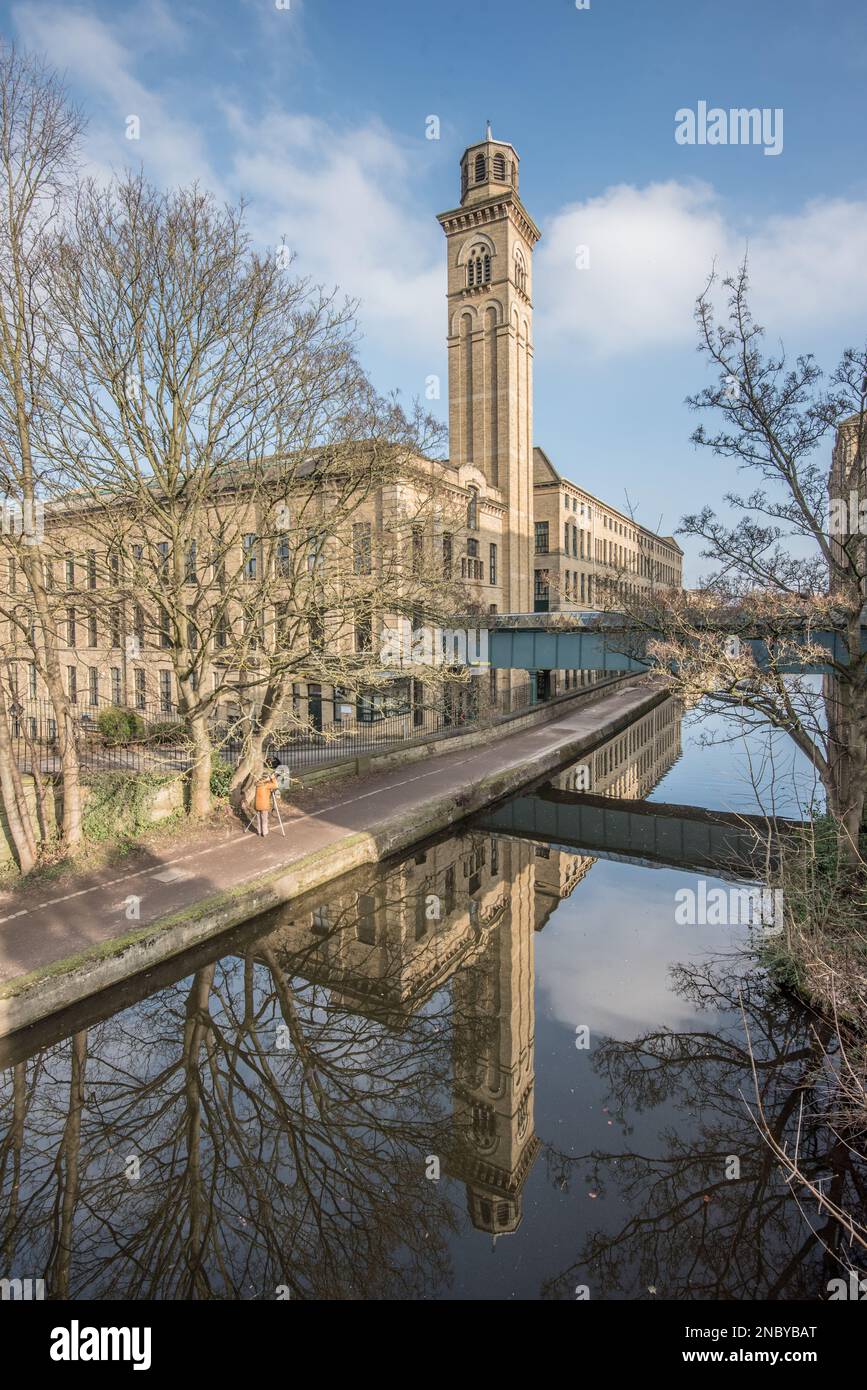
{"x":273,"y":807}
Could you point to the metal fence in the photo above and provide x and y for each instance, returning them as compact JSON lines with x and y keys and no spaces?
{"x":160,"y":744}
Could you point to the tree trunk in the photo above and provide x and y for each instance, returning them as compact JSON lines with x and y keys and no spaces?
{"x":15,"y":806}
{"x":69,"y":761}
{"x":200,"y":773}
{"x":251,"y":765}
{"x":848,"y":767}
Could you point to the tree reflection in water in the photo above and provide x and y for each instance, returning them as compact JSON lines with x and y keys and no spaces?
{"x":693,"y":1232}
{"x":278,"y":1136}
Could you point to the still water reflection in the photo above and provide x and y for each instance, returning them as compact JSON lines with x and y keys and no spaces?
{"x":381,"y":1093}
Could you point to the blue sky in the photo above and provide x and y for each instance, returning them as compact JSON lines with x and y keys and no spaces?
{"x":316,"y":113}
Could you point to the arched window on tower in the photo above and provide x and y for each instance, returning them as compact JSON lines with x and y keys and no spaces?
{"x":520,"y":271}
{"x":481,"y":168}
{"x":479,"y":266}
{"x":500,"y":168}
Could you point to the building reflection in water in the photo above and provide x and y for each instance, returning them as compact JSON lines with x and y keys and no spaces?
{"x":464,"y":911}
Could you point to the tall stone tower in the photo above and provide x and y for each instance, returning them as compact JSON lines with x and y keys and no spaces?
{"x":490,"y":240}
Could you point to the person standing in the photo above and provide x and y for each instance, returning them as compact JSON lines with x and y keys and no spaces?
{"x":265,"y":788}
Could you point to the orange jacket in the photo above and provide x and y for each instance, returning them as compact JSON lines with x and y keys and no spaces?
{"x":263,"y":793}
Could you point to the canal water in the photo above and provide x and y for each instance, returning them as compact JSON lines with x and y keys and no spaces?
{"x":500,"y":1068}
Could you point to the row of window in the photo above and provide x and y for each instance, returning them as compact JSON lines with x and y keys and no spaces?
{"x":83,"y":686}
{"x":620,"y":528}
{"x":251,"y":560}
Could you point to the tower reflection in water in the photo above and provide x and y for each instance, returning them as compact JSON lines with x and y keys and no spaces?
{"x":464,"y":911}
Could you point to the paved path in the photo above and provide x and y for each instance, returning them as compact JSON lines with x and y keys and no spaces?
{"x":44,"y":925}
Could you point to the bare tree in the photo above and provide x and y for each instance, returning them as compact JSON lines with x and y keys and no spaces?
{"x":223,"y":438}
{"x":782,"y":576}
{"x":39,"y":131}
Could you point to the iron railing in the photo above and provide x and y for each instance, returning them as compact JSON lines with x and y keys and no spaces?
{"x":161,"y":746}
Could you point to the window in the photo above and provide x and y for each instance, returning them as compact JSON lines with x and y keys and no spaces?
{"x":92,"y":634}
{"x":70,"y":627}
{"x":165,"y":692}
{"x":492,"y":564}
{"x":254,"y":632}
{"x":92,"y":685}
{"x":250,"y":557}
{"x":114,"y":567}
{"x":192,"y":630}
{"x":221,"y":636}
{"x":70,"y":572}
{"x":447,"y":556}
{"x":479,"y":267}
{"x":541,"y":538}
{"x":421,"y":912}
{"x":320,"y":923}
{"x":566,"y":538}
{"x":31,"y":675}
{"x":282,"y":624}
{"x":417,"y":550}
{"x":363,"y":632}
{"x":365,"y":929}
{"x":282,"y":559}
{"x":574,"y":542}
{"x":163,"y":553}
{"x":165,"y":628}
{"x":473,"y":567}
{"x":499,"y":167}
{"x":91,"y":569}
{"x":361,"y":547}
{"x":190,"y":564}
{"x":139,"y":624}
{"x":72,"y":685}
{"x":480,"y":168}
{"x":473,"y":510}
{"x":315,"y":558}
{"x":520,"y":272}
{"x":115,"y":685}
{"x":139,"y":689}
{"x":114,"y":626}
{"x":541,"y":589}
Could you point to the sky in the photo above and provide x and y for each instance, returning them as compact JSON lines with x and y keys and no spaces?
{"x":317,"y":112}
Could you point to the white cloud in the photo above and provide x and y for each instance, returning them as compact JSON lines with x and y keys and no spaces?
{"x":344,"y":202}
{"x":650,"y":251}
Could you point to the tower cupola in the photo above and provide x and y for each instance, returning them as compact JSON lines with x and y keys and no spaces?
{"x":488,"y":169}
